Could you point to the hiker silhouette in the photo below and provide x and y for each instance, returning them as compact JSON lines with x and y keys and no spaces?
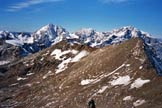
{"x":91,"y":104}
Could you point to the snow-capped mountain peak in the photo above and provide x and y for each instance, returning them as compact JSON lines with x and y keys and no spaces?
{"x":130,"y":31}
{"x":86,"y":31}
{"x":98,"y":39}
{"x":51,"y":31}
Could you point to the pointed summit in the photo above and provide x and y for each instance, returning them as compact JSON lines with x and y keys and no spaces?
{"x":50,"y":32}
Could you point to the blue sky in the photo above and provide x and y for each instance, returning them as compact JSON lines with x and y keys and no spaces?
{"x":102,"y":15}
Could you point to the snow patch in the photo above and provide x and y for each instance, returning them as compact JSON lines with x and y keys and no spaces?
{"x":102,"y":89}
{"x":45,"y":54}
{"x":74,"y":51}
{"x":115,"y":70}
{"x":139,"y":83}
{"x":107,"y":75}
{"x":26,"y":65}
{"x":87,"y":81}
{"x":20,"y":78}
{"x":63,"y":65}
{"x":29,"y":74}
{"x":140,"y":67}
{"x":57,"y":53}
{"x":14,"y":84}
{"x":74,"y":36}
{"x":29,"y":85}
{"x":29,"y":40}
{"x":80,"y":55}
{"x":127,"y":98}
{"x":48,"y":74}
{"x":4,"y":62}
{"x":127,"y":65}
{"x":15,"y":42}
{"x":139,"y":102}
{"x":42,"y":59}
{"x":122,"y":80}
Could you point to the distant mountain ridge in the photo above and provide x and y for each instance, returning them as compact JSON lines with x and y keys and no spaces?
{"x":29,"y":43}
{"x":52,"y":34}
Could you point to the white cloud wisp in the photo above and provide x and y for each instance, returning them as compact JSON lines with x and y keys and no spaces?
{"x":114,"y":1}
{"x":22,"y":5}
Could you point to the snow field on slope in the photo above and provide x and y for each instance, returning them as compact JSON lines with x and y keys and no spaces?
{"x":139,"y":83}
{"x":57,"y":53}
{"x":122,"y":80}
{"x":79,"y":56}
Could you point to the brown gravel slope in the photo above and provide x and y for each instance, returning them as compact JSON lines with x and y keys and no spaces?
{"x":112,"y":76}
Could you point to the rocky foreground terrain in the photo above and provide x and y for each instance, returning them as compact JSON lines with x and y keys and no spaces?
{"x":119,"y":69}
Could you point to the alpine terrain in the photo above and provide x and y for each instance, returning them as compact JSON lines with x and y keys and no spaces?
{"x":53,"y":68}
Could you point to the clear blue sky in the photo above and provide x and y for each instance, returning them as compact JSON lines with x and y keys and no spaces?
{"x":102,"y":15}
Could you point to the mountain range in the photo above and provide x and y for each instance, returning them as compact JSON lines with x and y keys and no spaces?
{"x":53,"y":68}
{"x":29,"y":43}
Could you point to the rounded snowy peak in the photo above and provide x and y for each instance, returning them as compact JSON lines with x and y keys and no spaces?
{"x":127,"y":31}
{"x":85,"y":31}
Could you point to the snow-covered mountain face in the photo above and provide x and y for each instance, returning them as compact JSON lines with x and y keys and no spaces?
{"x":34,"y":42}
{"x":90,"y":37}
{"x":44,"y":37}
{"x":100,"y":39}
{"x":153,"y":48}
{"x":22,"y":36}
{"x":50,"y":33}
